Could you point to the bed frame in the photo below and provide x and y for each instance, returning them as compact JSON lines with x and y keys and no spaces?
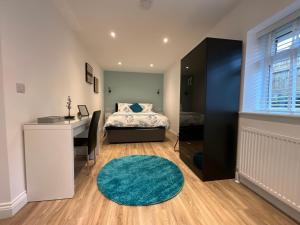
{"x":134,"y":134}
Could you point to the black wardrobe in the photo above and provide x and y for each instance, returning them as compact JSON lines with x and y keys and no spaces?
{"x":209,"y":104}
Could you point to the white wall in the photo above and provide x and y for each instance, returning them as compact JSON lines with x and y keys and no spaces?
{"x":4,"y":174}
{"x":245,"y":16}
{"x":172,"y":96}
{"x":39,"y":50}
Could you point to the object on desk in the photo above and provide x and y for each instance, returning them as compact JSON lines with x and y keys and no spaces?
{"x":50,"y":119}
{"x":83,"y":110}
{"x":79,"y":115}
{"x":69,"y":106}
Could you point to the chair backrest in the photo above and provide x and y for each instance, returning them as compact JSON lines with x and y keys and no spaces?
{"x":93,"y":131}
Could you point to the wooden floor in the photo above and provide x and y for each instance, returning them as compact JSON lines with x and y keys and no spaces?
{"x":219,"y":202}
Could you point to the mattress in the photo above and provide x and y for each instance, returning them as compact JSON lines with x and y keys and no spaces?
{"x":137,"y":120}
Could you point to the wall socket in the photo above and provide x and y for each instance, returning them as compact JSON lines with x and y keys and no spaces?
{"x":20,"y":87}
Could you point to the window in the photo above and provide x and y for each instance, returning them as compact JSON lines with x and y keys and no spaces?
{"x":281,"y":70}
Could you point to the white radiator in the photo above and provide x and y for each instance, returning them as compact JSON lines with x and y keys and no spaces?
{"x":272,"y":162}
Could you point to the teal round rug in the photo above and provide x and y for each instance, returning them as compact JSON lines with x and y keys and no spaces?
{"x":139,"y":180}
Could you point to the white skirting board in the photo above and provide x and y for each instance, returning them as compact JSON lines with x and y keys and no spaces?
{"x":270,"y":198}
{"x":8,"y":209}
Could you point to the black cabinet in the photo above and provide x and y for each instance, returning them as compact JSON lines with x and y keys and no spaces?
{"x":209,"y":105}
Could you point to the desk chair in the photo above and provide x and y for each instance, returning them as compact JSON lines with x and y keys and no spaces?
{"x":91,"y":140}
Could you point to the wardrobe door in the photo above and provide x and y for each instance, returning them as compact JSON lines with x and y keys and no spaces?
{"x":192,"y":98}
{"x":222,"y":106}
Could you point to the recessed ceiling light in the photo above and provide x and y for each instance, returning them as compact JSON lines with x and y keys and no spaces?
{"x":166,"y":40}
{"x":187,"y":67}
{"x":146,"y":4}
{"x":151,"y":65}
{"x":120,"y":63}
{"x":113,"y":34}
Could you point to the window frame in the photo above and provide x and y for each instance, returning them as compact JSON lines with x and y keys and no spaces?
{"x":271,"y":55}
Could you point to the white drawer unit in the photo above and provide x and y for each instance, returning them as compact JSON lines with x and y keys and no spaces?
{"x":49,"y":158}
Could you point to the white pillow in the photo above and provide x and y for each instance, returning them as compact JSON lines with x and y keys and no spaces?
{"x":124,"y":107}
{"x":146,"y":107}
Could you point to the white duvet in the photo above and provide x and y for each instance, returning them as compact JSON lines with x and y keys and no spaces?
{"x":131,"y":119}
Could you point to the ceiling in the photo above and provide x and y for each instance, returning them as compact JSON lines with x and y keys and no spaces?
{"x":139,"y":31}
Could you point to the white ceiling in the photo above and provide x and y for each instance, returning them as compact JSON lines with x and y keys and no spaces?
{"x":140,"y":32}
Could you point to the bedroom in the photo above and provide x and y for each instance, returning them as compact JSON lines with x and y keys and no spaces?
{"x":142,"y":56}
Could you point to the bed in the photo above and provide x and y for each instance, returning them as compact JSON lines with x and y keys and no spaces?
{"x":126,"y":126}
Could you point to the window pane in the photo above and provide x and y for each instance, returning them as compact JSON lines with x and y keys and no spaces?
{"x":283,"y":39}
{"x":298,"y":90}
{"x":297,"y":104}
{"x":283,"y":44}
{"x":280,"y":83}
{"x":281,"y":73}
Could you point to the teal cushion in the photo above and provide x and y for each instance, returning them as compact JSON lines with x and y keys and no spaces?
{"x":136,"y":108}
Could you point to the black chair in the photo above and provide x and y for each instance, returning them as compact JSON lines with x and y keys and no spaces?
{"x":91,"y":140}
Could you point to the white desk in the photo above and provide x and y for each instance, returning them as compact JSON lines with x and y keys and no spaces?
{"x":49,"y":158}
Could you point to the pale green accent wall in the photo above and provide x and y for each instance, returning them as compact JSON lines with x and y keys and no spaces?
{"x":133,"y":87}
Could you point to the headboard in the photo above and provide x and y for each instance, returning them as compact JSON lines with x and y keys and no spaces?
{"x":116,"y":106}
